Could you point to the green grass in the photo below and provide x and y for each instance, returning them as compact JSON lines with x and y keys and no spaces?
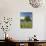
{"x":26,"y":25}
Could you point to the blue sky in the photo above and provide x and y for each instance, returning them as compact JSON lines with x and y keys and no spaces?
{"x":26,"y":14}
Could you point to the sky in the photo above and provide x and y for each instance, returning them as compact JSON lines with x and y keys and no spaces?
{"x":26,"y":14}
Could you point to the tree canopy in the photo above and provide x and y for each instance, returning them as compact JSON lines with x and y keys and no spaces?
{"x":27,"y":18}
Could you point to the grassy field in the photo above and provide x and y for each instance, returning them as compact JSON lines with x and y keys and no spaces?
{"x":26,"y":25}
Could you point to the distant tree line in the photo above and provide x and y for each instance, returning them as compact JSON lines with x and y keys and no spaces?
{"x":27,"y":19}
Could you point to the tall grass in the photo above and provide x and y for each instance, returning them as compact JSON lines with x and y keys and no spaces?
{"x":26,"y":24}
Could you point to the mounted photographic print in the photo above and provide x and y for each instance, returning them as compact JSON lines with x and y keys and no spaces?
{"x":26,"y":19}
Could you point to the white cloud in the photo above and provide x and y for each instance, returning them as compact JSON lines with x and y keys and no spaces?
{"x":22,"y":17}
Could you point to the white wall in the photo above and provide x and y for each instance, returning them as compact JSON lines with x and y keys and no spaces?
{"x":12,"y":8}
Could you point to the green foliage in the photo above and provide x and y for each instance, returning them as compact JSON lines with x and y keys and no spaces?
{"x":27,"y":18}
{"x":26,"y":25}
{"x":26,"y":22}
{"x":21,"y":20}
